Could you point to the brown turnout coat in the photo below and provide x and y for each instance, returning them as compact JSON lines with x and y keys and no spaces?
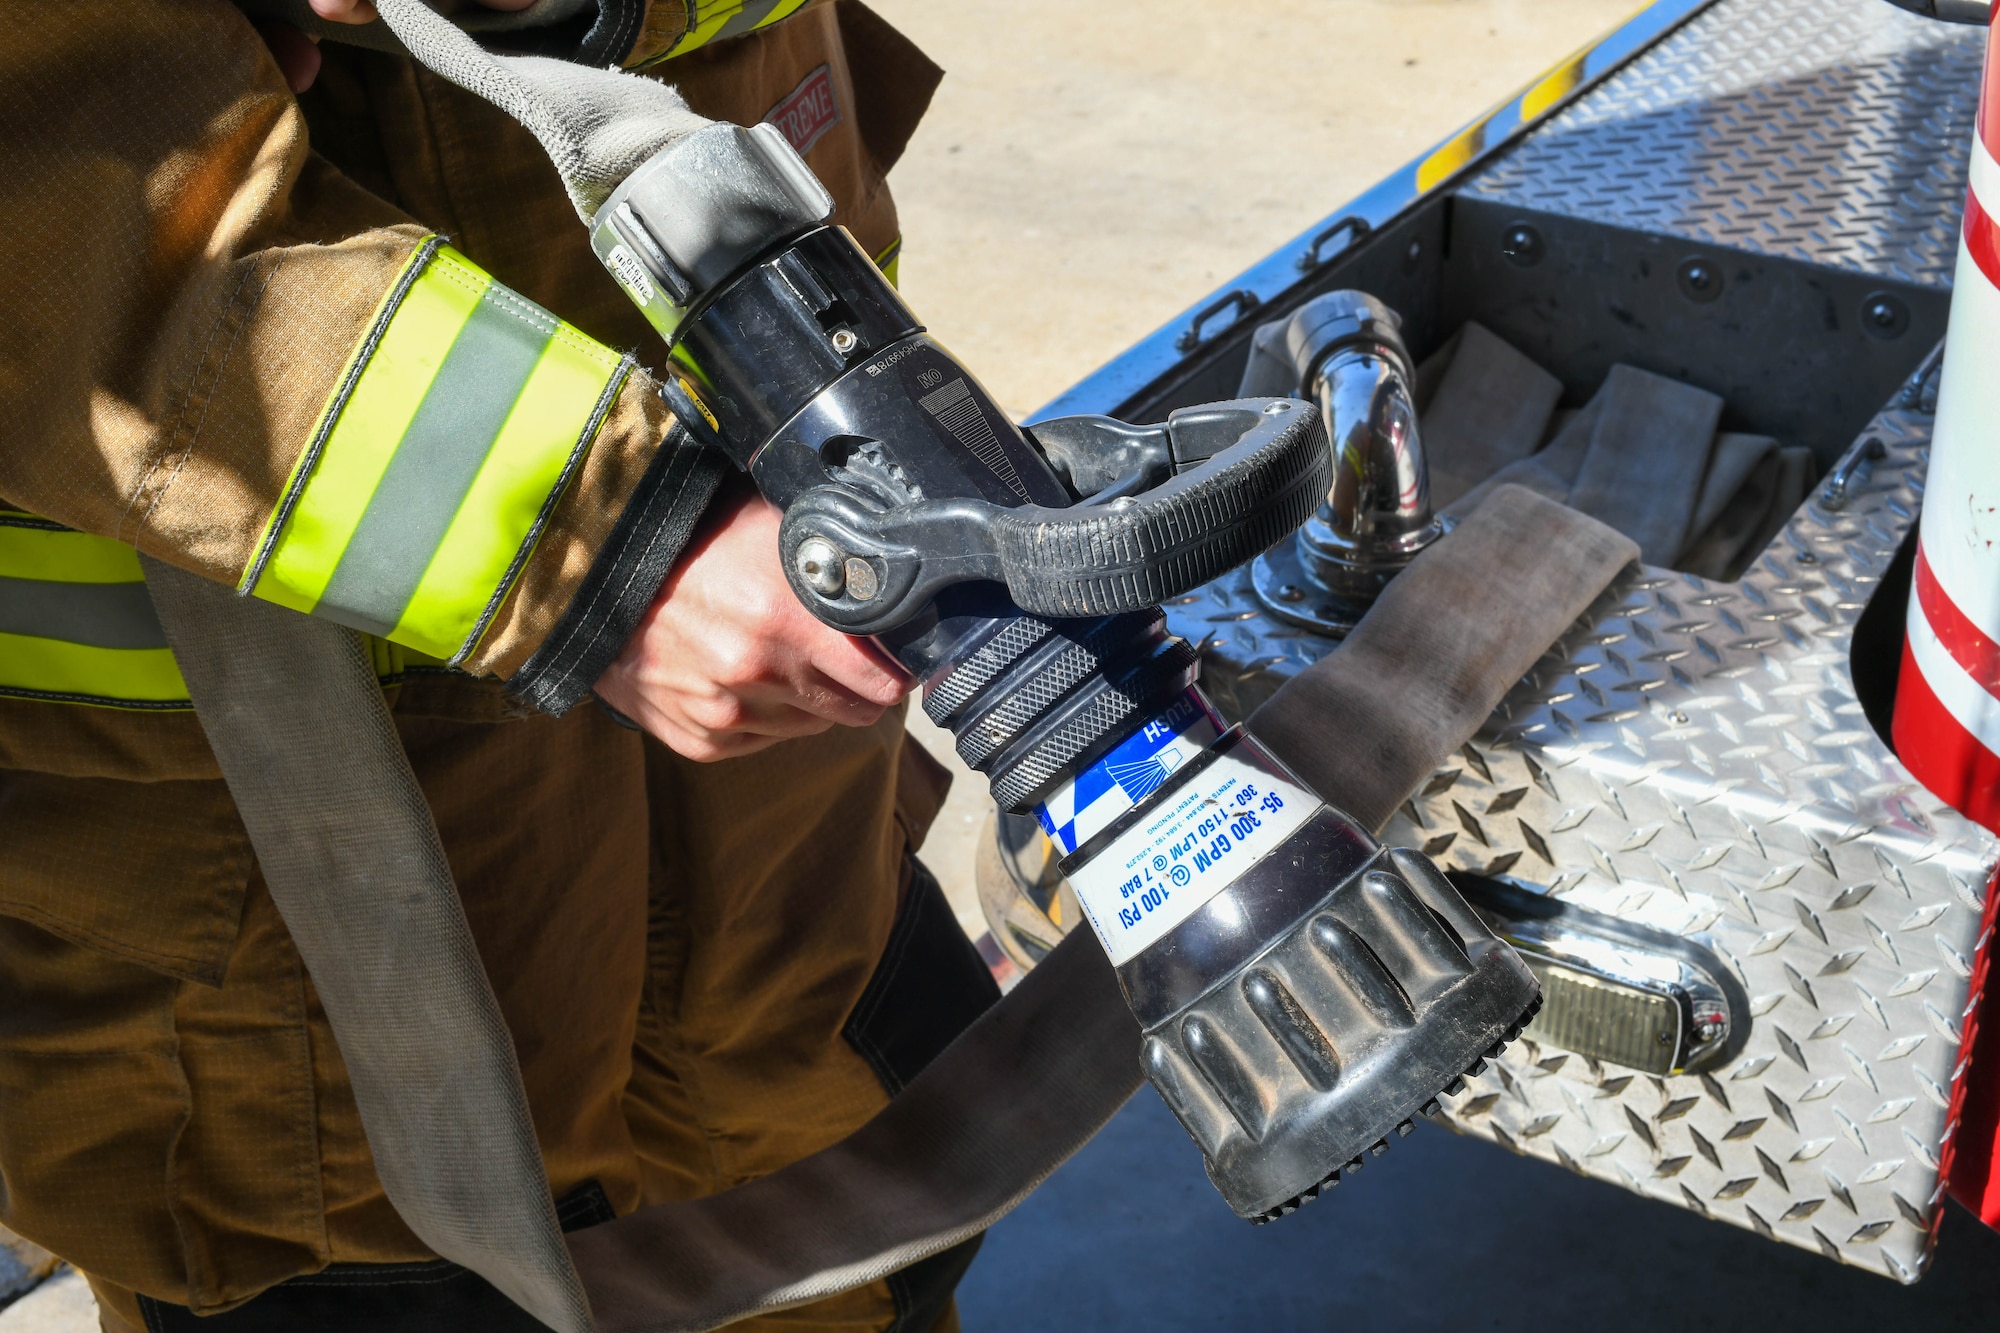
{"x":188,"y":257}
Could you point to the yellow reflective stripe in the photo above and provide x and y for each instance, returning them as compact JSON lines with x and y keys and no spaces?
{"x":55,"y":668}
{"x":1460,"y":149}
{"x":392,"y":386}
{"x":449,"y":442}
{"x":890,"y":260}
{"x":1557,"y":84}
{"x":711,"y":19}
{"x":66,"y":557}
{"x":107,"y":675}
{"x":390,"y":659}
{"x":309,"y":456}
{"x":507,"y":497}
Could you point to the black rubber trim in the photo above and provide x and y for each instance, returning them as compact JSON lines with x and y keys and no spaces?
{"x":1104,"y":559}
{"x":648,"y":538}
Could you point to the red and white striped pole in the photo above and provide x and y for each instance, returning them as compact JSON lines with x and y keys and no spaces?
{"x":1947,"y":724}
{"x":1947,"y":727}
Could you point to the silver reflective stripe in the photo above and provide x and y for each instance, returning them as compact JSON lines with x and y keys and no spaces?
{"x":440,"y":454}
{"x":748,"y":17}
{"x":96,"y":615}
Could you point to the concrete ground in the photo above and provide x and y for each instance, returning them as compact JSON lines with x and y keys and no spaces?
{"x":1087,"y":171}
{"x":63,"y":1304}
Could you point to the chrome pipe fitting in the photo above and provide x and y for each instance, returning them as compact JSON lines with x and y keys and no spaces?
{"x":1348,"y":349}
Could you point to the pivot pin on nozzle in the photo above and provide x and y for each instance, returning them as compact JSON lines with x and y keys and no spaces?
{"x":821,"y":567}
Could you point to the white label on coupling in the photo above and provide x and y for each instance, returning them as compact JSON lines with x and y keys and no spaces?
{"x":1157,"y":873}
{"x":632,"y":275}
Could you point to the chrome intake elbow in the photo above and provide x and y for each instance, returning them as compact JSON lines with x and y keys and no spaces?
{"x":1348,"y":350}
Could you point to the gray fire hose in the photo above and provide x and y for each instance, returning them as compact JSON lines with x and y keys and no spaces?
{"x":303,"y":736}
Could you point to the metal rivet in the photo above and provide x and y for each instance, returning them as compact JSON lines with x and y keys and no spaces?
{"x":1522,"y":245}
{"x":1290,"y":592}
{"x":1700,"y":280}
{"x":844,"y":341}
{"x":1277,"y":409}
{"x":1808,"y":558}
{"x":1884,"y":316}
{"x":818,"y":563}
{"x":1678,"y":718}
{"x":862,"y":585}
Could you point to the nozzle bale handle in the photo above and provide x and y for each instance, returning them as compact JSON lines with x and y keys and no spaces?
{"x":1247,"y":474}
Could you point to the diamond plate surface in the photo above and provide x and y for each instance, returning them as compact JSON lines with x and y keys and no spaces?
{"x":1691,"y":756}
{"x":1829,"y":131}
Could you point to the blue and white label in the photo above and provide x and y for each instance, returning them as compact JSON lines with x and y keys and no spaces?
{"x":1132,"y":771}
{"x":1157,"y":873}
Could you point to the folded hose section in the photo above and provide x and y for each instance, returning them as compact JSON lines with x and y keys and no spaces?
{"x":1441,"y":647}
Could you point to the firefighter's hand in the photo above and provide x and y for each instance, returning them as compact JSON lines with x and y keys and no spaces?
{"x":298,"y":58}
{"x":727,"y":662}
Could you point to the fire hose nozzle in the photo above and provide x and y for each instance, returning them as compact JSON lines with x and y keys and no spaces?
{"x":1302,"y":991}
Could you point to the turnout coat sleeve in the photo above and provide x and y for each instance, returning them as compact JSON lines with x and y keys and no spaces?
{"x":221,"y":351}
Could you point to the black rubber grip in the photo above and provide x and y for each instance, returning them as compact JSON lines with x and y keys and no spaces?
{"x":1139,"y":551}
{"x":1087,"y":723}
{"x":947,"y":695}
{"x":1043,"y":678}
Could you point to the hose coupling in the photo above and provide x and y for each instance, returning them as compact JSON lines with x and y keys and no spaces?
{"x":1347,"y":348}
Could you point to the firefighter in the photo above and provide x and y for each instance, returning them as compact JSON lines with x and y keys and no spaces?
{"x":348,"y":351}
